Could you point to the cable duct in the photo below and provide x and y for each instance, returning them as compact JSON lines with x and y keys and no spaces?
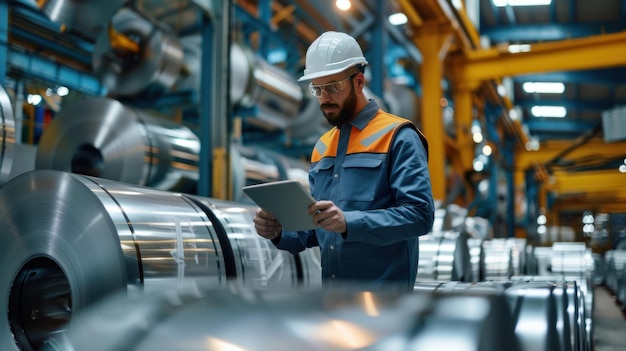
{"x":71,"y":240}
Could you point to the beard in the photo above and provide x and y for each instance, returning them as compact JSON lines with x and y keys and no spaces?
{"x":345,"y":114}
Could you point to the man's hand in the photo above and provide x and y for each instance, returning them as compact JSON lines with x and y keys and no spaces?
{"x":266,"y":225}
{"x":328,"y":216}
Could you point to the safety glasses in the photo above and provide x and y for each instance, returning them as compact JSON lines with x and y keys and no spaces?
{"x":329,"y":88}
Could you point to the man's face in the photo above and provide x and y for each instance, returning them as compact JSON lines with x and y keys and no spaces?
{"x":337,"y":97}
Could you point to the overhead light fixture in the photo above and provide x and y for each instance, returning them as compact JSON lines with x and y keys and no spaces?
{"x":549,"y":111}
{"x":343,"y":5}
{"x":515,"y":48}
{"x":398,"y":19}
{"x":33,"y":99}
{"x":544,"y":87}
{"x":502,"y":3}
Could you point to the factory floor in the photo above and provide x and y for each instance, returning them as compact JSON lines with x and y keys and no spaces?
{"x":609,"y":322}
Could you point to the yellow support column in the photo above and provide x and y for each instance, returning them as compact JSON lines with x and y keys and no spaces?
{"x":221,"y":174}
{"x":434,"y":41}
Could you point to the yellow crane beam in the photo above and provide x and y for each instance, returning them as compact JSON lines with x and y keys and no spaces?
{"x":600,"y":51}
{"x":595,"y":148}
{"x":589,"y":181}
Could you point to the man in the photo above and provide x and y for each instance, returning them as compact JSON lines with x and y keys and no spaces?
{"x":369,"y":174}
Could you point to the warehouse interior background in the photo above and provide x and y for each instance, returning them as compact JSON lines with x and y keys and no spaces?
{"x":524,"y":107}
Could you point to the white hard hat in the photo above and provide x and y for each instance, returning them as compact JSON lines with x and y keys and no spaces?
{"x":330,"y":53}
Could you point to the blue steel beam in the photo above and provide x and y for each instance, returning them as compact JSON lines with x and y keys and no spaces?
{"x":550,"y":126}
{"x":4,"y":39}
{"x":549,"y":32}
{"x":601,"y":76}
{"x":569,"y":104}
{"x":39,"y":42}
{"x":47,"y":70}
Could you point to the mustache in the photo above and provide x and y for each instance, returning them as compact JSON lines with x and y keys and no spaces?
{"x":323,"y":106}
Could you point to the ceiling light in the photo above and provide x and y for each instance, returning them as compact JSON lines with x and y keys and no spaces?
{"x":515,"y":48}
{"x":62,"y":91}
{"x":487,"y":150}
{"x":549,"y":111}
{"x":343,"y":5}
{"x":502,"y":3}
{"x":544,"y":87}
{"x":33,"y":99}
{"x":398,"y":18}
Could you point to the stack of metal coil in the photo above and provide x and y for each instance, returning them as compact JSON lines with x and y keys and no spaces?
{"x":70,"y":240}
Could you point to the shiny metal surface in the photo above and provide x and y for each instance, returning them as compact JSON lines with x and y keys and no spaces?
{"x":402,"y":101}
{"x":504,"y":258}
{"x":337,"y":319}
{"x":444,"y":256}
{"x":7,"y":136}
{"x":56,"y":234}
{"x":547,"y":313}
{"x":254,"y":165}
{"x":71,"y":239}
{"x":570,"y":328}
{"x":155,"y":67}
{"x":103,"y":138}
{"x":80,"y":14}
{"x":255,"y":82}
{"x":616,"y":274}
{"x":257,"y":261}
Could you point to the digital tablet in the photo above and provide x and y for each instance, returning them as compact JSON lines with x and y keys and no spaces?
{"x":287,"y":200}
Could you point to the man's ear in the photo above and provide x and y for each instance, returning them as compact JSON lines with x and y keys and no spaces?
{"x":360,"y":80}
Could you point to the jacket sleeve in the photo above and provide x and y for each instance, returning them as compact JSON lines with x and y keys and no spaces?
{"x":295,"y":242}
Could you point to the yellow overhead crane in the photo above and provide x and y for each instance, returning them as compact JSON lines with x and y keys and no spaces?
{"x":450,"y":44}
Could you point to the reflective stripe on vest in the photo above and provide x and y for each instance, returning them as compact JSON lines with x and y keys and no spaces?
{"x":376,"y":137}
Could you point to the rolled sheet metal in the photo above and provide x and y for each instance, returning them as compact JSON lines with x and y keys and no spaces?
{"x":80,"y":14}
{"x":7,"y":136}
{"x":548,"y":314}
{"x":402,"y":101}
{"x":154,"y":68}
{"x":616,"y":274}
{"x":267,"y":94}
{"x":504,"y":258}
{"x":347,"y":319}
{"x":70,"y":240}
{"x":103,"y":138}
{"x":574,"y":320}
{"x":255,"y":165}
{"x":444,"y":256}
{"x":271,"y":90}
{"x":257,"y":262}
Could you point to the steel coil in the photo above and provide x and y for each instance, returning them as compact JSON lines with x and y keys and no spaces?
{"x":70,"y":240}
{"x":345,"y":319}
{"x":84,"y":14}
{"x":7,"y":136}
{"x":153,"y":68}
{"x":103,"y":138}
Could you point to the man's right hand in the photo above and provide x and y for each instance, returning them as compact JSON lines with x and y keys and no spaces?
{"x":266,"y":225}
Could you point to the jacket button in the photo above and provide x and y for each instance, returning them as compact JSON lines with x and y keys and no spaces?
{"x":332,"y":247}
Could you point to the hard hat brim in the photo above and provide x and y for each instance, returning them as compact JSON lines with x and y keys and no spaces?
{"x":319,"y":74}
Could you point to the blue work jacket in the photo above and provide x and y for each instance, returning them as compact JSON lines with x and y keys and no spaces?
{"x":375,"y":169}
